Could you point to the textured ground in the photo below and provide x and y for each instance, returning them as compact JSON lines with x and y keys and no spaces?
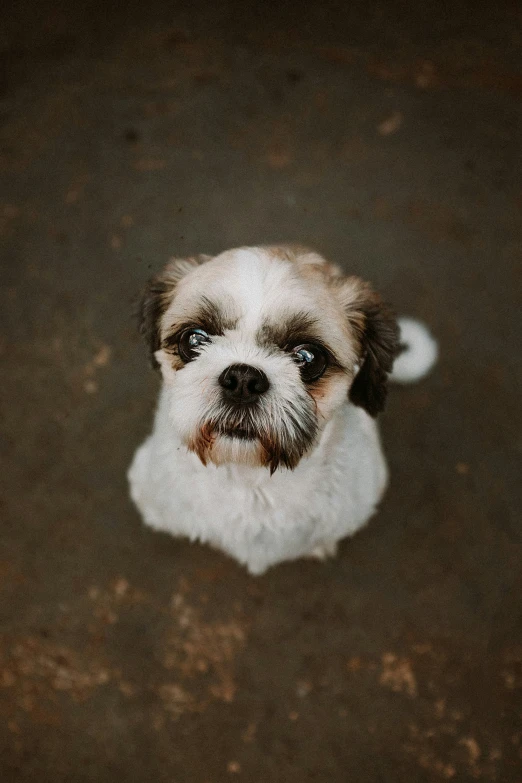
{"x":385,"y":135}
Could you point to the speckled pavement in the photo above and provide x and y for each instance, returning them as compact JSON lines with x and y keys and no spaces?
{"x":386,"y":136}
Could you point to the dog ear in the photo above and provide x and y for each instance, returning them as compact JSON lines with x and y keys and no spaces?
{"x":375,"y":326}
{"x":158,"y":295}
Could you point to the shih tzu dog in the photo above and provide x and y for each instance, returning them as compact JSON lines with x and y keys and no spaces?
{"x":274,"y":365}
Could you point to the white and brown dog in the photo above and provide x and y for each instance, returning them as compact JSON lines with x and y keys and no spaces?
{"x":274,"y":365}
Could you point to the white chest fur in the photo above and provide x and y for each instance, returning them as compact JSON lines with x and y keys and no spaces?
{"x":259,"y":519}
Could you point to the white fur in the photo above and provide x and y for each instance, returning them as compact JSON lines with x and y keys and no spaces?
{"x":260,"y":519}
{"x":233,"y":502}
{"x":420,"y":355}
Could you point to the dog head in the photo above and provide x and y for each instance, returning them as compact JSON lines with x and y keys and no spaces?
{"x":258,"y":347}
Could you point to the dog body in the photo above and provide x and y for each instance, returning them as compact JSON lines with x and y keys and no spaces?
{"x":274,"y":365}
{"x":257,"y":518}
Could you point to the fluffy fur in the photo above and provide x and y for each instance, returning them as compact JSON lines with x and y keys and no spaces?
{"x":300,"y":467}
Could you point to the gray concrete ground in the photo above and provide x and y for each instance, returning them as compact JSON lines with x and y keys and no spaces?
{"x":387,"y":136}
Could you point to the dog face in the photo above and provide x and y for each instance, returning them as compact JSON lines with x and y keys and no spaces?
{"x":258,"y":347}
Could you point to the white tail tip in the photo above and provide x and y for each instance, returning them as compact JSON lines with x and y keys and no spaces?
{"x":419,"y":355}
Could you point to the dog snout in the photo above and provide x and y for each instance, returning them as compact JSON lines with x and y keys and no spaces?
{"x":243,"y":384}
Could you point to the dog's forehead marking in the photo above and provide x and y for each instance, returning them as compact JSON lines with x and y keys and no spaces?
{"x":249,"y":286}
{"x":272,"y":298}
{"x":264,"y":286}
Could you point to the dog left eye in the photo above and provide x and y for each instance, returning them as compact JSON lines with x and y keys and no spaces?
{"x":190,"y":342}
{"x":311,"y":360}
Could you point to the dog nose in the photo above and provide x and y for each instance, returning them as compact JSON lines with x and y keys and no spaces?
{"x":242,"y":383}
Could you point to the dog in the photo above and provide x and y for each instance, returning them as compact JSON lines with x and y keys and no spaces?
{"x":274,"y":366}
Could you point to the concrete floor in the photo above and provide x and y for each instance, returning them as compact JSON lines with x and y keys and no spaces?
{"x":388,"y":137}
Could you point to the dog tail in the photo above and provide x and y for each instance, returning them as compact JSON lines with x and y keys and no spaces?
{"x":418,"y":352}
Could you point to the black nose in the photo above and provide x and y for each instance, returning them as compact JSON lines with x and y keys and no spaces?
{"x":243,"y":384}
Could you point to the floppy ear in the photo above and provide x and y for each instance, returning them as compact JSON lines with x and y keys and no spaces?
{"x":376,"y":327}
{"x":158,"y":295}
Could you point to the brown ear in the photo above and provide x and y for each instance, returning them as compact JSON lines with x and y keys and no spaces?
{"x":376,"y":328}
{"x":158,"y":295}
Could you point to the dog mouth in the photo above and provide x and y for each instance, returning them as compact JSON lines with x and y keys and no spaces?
{"x":242,"y":436}
{"x":239,"y":433}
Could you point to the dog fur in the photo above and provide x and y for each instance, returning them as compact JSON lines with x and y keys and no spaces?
{"x":299,"y":466}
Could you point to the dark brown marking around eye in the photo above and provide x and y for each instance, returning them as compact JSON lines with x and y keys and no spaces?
{"x":299,"y":328}
{"x":209,"y":317}
{"x":213,"y":319}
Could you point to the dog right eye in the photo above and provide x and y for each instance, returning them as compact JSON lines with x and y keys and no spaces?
{"x":311,"y":360}
{"x":190,"y":343}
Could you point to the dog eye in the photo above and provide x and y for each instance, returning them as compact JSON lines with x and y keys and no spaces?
{"x":311,"y":360}
{"x":190,"y":342}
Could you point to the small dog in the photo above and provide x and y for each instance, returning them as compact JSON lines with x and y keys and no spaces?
{"x":274,"y":366}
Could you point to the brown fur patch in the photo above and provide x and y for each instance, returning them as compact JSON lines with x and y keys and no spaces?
{"x":276,"y":454}
{"x":379,"y":338}
{"x":202,"y":444}
{"x":309,"y":262}
{"x":325,"y":271}
{"x":374,"y":327}
{"x":297,"y":328}
{"x":157,"y":296}
{"x":319,"y":388}
{"x":209,"y":316}
{"x":273,"y":456}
